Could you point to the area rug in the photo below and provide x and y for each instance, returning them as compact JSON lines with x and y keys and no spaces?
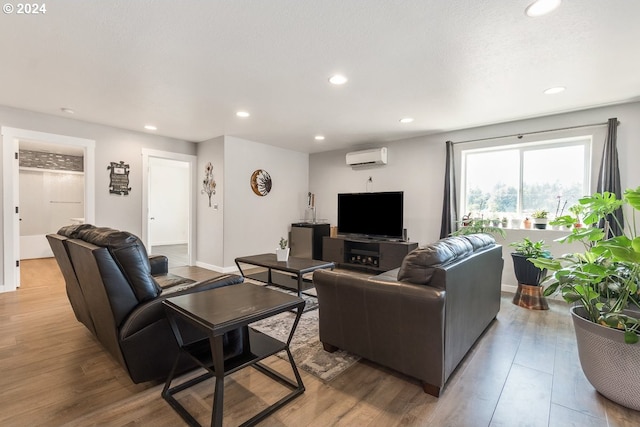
{"x":306,"y":347}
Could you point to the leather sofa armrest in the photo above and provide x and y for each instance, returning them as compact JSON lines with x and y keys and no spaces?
{"x":152,"y":311}
{"x":159,"y":264}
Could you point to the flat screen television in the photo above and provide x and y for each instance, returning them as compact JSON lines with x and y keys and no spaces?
{"x":373,"y":215}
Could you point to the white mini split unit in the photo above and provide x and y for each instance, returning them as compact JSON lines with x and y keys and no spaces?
{"x":376,"y":156}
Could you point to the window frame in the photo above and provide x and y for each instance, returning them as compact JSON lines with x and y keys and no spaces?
{"x":584,"y":140}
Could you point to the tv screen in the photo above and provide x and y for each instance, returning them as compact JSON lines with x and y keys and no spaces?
{"x":371,"y":214}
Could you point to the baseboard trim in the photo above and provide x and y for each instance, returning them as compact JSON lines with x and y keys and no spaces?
{"x":216,"y":268}
{"x":508,"y":288}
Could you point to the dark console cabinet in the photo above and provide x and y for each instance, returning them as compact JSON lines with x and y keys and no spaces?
{"x":380,"y":255}
{"x":305,"y":239}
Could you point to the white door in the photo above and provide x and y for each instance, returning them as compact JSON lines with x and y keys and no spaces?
{"x":168,"y":206}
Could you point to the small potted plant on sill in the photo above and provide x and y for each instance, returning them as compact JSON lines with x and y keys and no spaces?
{"x":577,"y":211}
{"x":602,"y":284}
{"x":477,"y":225}
{"x":540,"y":219}
{"x":282,"y":253}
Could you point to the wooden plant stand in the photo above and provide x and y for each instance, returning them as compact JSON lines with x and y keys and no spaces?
{"x":530,"y":297}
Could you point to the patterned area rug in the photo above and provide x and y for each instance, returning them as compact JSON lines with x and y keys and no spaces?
{"x":306,"y":346}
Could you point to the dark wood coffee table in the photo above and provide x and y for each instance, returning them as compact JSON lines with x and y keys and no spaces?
{"x":298,"y":267}
{"x":220,"y":310}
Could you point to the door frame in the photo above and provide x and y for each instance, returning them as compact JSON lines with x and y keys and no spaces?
{"x":10,"y":177}
{"x":192,"y":160}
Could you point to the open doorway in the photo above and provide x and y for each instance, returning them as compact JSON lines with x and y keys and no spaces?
{"x":51,"y":187}
{"x":169,"y":214}
{"x":12,"y":138}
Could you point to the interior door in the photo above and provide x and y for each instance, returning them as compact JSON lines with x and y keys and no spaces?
{"x":169,"y":209}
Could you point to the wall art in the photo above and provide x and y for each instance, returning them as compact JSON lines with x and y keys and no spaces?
{"x":208,"y":183}
{"x":261,"y":182}
{"x":119,"y":178}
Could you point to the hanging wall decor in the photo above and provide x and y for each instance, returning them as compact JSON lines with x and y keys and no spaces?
{"x":119,"y":178}
{"x":261,"y":182}
{"x":208,"y":183}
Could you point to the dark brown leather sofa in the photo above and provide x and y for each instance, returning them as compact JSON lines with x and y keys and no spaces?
{"x":420,"y":319}
{"x":116,"y":290}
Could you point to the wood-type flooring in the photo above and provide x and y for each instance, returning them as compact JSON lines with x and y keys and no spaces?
{"x":524,"y":371}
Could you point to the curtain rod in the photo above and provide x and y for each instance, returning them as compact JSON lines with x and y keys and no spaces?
{"x":520,"y":135}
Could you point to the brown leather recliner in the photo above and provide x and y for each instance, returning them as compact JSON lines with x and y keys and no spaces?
{"x":116,"y":290}
{"x":420,"y":319}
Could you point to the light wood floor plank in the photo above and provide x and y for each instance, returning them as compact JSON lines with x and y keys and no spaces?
{"x":523,"y":371}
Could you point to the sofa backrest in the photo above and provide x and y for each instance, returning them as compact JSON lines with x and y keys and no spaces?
{"x":129,"y":255}
{"x":107,"y":293}
{"x":419,"y":265}
{"x":58,"y":245}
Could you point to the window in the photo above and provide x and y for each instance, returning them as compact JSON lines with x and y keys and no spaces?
{"x":516,"y":180}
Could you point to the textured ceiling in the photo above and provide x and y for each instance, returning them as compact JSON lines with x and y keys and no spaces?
{"x":187,"y":66}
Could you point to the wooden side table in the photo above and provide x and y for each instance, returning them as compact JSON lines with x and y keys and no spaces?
{"x":220,"y":310}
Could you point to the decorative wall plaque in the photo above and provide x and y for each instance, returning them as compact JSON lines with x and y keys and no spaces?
{"x":261,"y":182}
{"x":119,"y":177}
{"x":208,"y":183}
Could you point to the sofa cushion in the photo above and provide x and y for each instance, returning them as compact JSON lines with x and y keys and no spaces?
{"x":71,"y":231}
{"x":480,"y":240}
{"x":130,"y":255}
{"x":418,"y":266}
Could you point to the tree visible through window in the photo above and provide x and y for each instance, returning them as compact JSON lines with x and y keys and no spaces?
{"x":517,"y":180}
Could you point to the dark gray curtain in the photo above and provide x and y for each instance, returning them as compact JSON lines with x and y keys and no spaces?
{"x":449,"y":204}
{"x":609,"y":176}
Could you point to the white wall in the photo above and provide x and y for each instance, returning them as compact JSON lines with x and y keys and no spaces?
{"x":244,"y":223}
{"x":254,"y":224}
{"x":112,"y":145}
{"x":210,"y":220}
{"x":416,"y":166}
{"x":48,"y":200}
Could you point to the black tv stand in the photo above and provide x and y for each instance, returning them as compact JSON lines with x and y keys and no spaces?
{"x":371,"y":254}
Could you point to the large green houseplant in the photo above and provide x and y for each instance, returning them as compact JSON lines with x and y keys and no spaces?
{"x":604,"y":278}
{"x":602,"y":284}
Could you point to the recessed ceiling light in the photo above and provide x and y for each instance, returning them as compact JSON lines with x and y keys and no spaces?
{"x":150,"y":127}
{"x":554,"y":90}
{"x":541,"y":7}
{"x":338,"y":79}
{"x":67,"y":110}
{"x":242,"y":114}
{"x":406,"y":120}
{"x":319,"y":137}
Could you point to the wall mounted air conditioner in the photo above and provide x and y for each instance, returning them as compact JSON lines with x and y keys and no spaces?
{"x":376,"y":156}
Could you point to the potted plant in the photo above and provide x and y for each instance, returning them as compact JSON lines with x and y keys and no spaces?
{"x":477,"y":225}
{"x":282,"y":253}
{"x":529,"y":294}
{"x":602,"y":284}
{"x":540,"y":219}
{"x":577,"y":211}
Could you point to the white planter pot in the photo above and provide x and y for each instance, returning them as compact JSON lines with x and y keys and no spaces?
{"x":610,"y":365}
{"x":282,"y":254}
{"x":540,"y":223}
